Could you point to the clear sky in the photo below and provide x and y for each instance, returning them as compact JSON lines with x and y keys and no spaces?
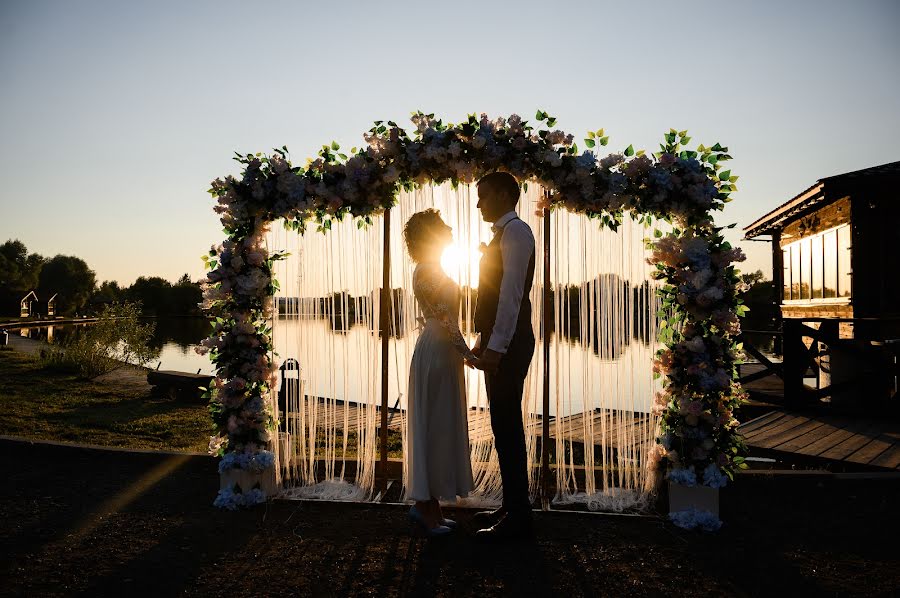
{"x":114,"y":116}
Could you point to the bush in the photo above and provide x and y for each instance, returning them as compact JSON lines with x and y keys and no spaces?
{"x":117,"y":339}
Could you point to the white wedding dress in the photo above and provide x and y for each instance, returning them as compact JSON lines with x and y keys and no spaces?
{"x":438,"y":461}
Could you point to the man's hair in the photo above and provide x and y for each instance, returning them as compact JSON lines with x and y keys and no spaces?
{"x":502,"y":183}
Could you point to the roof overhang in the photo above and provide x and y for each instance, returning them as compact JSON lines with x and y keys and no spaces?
{"x":776,"y":219}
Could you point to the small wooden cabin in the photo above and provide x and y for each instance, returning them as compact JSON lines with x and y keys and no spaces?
{"x":26,"y":305}
{"x":835,"y":246}
{"x":836,"y":273}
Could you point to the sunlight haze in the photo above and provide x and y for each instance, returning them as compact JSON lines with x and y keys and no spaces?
{"x":116,"y":116}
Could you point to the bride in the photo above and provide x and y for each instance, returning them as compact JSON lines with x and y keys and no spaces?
{"x":439,"y":466}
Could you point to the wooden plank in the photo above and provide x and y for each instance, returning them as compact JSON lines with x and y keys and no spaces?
{"x":796,"y":444}
{"x":889,"y":458}
{"x":787,"y":435}
{"x":870,"y":451}
{"x":825,"y":443}
{"x":852,"y":444}
{"x":760,"y":421}
{"x":782,"y":425}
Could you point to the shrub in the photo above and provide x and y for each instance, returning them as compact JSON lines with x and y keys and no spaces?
{"x":117,"y":339}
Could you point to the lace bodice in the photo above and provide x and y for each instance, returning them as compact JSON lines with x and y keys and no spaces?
{"x":438,"y":298}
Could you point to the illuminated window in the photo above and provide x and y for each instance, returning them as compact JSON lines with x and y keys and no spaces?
{"x":818,"y":267}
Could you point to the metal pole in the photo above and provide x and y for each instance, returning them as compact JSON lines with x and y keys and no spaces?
{"x":385,"y":326}
{"x":548,"y":319}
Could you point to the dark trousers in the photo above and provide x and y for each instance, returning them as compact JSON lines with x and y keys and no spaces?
{"x":504,"y":390}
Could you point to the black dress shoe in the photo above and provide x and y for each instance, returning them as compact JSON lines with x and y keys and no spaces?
{"x":514,"y":527}
{"x":484,"y":519}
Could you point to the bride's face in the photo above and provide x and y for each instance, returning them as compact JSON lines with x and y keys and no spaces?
{"x":443,"y":237}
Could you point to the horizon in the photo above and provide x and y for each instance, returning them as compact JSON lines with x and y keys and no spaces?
{"x":116,"y":173}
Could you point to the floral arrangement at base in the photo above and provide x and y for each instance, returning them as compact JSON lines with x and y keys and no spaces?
{"x":700,"y":297}
{"x":694,"y":518}
{"x":233,"y":498}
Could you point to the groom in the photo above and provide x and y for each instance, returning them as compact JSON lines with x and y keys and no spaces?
{"x":504,"y":348}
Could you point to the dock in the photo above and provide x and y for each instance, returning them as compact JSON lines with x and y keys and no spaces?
{"x":849,"y":440}
{"x":825,"y":438}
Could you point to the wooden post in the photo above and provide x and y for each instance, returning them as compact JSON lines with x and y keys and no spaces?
{"x":545,"y":337}
{"x":778,"y":283}
{"x":385,"y":327}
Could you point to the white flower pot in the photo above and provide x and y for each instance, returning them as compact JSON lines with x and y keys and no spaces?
{"x":247,"y":480}
{"x":701,"y":498}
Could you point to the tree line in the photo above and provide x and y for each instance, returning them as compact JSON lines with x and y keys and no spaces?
{"x":76,"y":289}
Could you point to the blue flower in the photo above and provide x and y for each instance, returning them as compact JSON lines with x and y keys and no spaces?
{"x":232,"y":501}
{"x":227,"y":499}
{"x":691,"y":518}
{"x":683,"y":476}
{"x":262,"y":461}
{"x":253,"y":497}
{"x":713,"y":476}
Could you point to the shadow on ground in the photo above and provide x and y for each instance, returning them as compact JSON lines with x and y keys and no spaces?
{"x":94,"y":522}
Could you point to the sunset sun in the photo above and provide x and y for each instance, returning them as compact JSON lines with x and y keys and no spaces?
{"x":461,"y":263}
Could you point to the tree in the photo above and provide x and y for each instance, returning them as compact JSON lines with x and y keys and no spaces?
{"x":186,"y":296}
{"x":759,"y":297}
{"x":108,"y":292}
{"x":70,"y":279}
{"x":19,"y":272}
{"x":154,"y":293}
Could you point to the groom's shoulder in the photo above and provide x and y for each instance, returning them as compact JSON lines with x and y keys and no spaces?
{"x":521,"y":228}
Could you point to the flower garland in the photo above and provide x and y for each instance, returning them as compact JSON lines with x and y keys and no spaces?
{"x":701,"y":302}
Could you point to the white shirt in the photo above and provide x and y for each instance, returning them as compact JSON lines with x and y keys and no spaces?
{"x":516,"y":249}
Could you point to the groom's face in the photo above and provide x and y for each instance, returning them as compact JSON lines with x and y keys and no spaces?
{"x":492,"y":204}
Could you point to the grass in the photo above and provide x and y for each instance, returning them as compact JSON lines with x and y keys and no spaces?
{"x":46,"y":404}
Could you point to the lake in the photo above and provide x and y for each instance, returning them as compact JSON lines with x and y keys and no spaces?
{"x":582,"y":378}
{"x":174,"y":340}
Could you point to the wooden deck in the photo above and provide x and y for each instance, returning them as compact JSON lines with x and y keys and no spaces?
{"x":868,"y":443}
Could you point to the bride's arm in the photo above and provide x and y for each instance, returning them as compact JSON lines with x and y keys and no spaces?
{"x":428,"y":290}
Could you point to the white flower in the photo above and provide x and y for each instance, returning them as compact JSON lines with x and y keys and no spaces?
{"x":695,"y":345}
{"x":611,"y":160}
{"x":391,"y":174}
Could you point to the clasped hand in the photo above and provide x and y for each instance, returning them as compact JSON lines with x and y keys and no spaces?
{"x":485,"y":359}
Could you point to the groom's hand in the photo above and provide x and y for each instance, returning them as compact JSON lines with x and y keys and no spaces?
{"x":489,"y":360}
{"x":477,"y":351}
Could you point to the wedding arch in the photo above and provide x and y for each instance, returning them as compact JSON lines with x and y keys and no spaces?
{"x":699,"y":288}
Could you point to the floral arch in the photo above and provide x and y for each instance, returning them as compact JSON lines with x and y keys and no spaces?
{"x":698,"y":436}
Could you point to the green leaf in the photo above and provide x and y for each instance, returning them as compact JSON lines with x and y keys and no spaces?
{"x":724,"y":175}
{"x":590,"y":142}
{"x":541,"y":115}
{"x":629,"y":151}
{"x":604,"y":140}
{"x":335,"y":146}
{"x":551,"y":122}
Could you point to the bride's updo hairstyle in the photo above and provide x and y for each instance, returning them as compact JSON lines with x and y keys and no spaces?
{"x":420,"y":231}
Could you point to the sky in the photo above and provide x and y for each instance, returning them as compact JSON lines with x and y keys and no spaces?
{"x":115,"y":116}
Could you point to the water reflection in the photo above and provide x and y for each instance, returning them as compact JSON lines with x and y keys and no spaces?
{"x":173,"y":341}
{"x":346,"y":366}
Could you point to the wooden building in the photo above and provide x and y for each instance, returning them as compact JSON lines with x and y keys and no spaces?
{"x":836,"y":273}
{"x":835,"y":246}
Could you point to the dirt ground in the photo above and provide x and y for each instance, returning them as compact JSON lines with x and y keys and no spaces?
{"x":114,"y":523}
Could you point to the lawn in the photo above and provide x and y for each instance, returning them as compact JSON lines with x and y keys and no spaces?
{"x":41,"y":403}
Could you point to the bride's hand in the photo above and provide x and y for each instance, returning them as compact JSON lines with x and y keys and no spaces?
{"x":472,"y":362}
